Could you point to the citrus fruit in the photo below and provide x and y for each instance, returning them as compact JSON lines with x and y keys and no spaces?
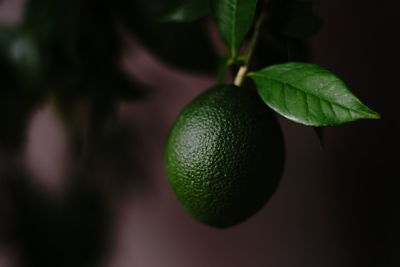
{"x":224,"y":155}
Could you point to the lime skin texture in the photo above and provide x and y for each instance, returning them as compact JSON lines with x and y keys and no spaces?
{"x":225,"y":156}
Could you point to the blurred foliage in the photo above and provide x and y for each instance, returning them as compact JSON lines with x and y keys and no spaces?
{"x":284,"y":36}
{"x":18,"y":97}
{"x":183,"y":45}
{"x":71,"y":229}
{"x":68,"y":52}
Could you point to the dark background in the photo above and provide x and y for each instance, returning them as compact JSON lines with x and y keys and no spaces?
{"x":336,"y":207}
{"x":359,"y":41}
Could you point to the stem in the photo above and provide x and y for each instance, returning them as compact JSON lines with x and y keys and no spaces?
{"x":241,"y":74}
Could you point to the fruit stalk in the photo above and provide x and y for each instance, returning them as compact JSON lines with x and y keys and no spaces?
{"x":241,"y":74}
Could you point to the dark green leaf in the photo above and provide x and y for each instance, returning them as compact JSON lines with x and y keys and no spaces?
{"x":233,"y":19}
{"x":223,"y":69}
{"x":7,"y":35}
{"x":25,"y":55}
{"x":273,"y":48}
{"x":184,"y":10}
{"x":20,"y":49}
{"x":74,"y":37}
{"x":17,"y":102}
{"x":184,"y":45}
{"x":309,"y":94}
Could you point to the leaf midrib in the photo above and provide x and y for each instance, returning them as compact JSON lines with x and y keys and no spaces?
{"x":233,"y":28}
{"x":314,"y":95}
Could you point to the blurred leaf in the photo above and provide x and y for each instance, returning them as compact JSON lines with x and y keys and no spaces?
{"x":184,"y":10}
{"x":309,"y":94}
{"x":82,"y":36}
{"x":7,"y":36}
{"x":223,"y":69}
{"x":20,"y":49}
{"x":186,"y":45}
{"x":100,"y":97}
{"x":17,"y":102}
{"x":274,"y":49}
{"x":25,"y":55}
{"x":38,"y":13}
{"x":233,"y":19}
{"x":273,"y":46}
{"x":71,"y":230}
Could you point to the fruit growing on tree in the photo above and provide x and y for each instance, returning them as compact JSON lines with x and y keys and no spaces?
{"x":225,"y":155}
{"x":225,"y":152}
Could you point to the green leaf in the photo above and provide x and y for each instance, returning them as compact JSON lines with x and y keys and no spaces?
{"x":7,"y":35}
{"x":223,"y":69}
{"x":172,"y":43}
{"x":309,"y":94}
{"x":25,"y":55}
{"x":233,"y":19}
{"x":184,"y":10}
{"x":18,"y":100}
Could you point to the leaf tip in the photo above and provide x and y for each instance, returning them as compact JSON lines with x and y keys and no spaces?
{"x":373,"y":115}
{"x":377,"y":116}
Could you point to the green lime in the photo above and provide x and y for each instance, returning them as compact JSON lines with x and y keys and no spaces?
{"x":224,"y":156}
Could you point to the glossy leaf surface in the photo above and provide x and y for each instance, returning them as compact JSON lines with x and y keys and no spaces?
{"x":309,"y":94}
{"x":233,"y":19}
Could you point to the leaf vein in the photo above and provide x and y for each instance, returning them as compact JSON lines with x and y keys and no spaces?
{"x":296,"y":88}
{"x":234,"y":28}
